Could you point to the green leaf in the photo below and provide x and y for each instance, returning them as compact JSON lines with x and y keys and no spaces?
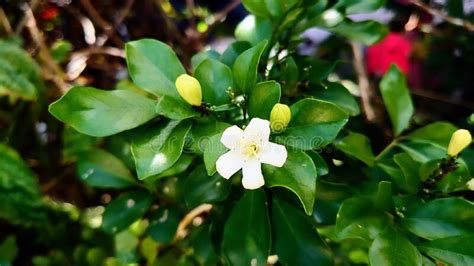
{"x":200,"y":188}
{"x":410,"y":168}
{"x":233,"y":51}
{"x":8,"y":249}
{"x":20,"y":195}
{"x":314,"y":123}
{"x":158,"y":147}
{"x":214,"y":149}
{"x":358,"y":218}
{"x":201,"y":133}
{"x":440,"y":218}
{"x":455,"y":180}
{"x":164,"y":223}
{"x":298,"y":174}
{"x":358,"y":146}
{"x":321,"y":166}
{"x":286,"y":73}
{"x":422,"y":151}
{"x":262,"y":99}
{"x":246,"y":65}
{"x":339,"y":95}
{"x":295,"y":239}
{"x":75,"y":142}
{"x":15,"y":84}
{"x":392,"y":248}
{"x":216,"y":79}
{"x":202,"y":246}
{"x":175,"y":109}
{"x":396,"y":97}
{"x":247,"y":235}
{"x":254,"y":29}
{"x":99,"y":168}
{"x":153,"y":66}
{"x":319,"y":70}
{"x":102,"y":113}
{"x":177,"y":168}
{"x":455,"y":250}
{"x":366,"y":32}
{"x":256,"y":7}
{"x":202,"y":56}
{"x":124,"y":210}
{"x":360,"y":6}
{"x":383,"y":199}
{"x":438,"y":133}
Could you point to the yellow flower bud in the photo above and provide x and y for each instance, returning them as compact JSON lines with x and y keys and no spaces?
{"x":280,"y":116}
{"x":189,"y":89}
{"x":470,"y":184}
{"x":459,"y":141}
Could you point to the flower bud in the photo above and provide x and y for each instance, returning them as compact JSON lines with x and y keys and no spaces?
{"x":189,"y":89}
{"x":280,"y":116}
{"x":459,"y":141}
{"x":470,"y":184}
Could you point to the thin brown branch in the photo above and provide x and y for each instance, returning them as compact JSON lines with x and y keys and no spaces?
{"x":192,"y":17}
{"x":118,"y":21}
{"x":221,"y":15}
{"x":199,"y":210}
{"x":5,"y":23}
{"x":101,"y":22}
{"x":53,"y":71}
{"x":363,"y":80}
{"x":22,"y":23}
{"x":437,"y":13}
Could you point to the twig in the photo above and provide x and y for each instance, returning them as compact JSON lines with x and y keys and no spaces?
{"x":363,"y":80}
{"x":97,"y":18}
{"x":5,"y":23}
{"x":112,"y":51}
{"x":181,"y":232}
{"x":123,"y":13}
{"x":55,"y":72}
{"x":443,"y":98}
{"x":437,"y":13}
{"x":221,"y":15}
{"x":192,"y":18}
{"x":22,"y":23}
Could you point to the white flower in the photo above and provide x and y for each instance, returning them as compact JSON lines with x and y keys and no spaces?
{"x":470,"y":184}
{"x":249,"y":148}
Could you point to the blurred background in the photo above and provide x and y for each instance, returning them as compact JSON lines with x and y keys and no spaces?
{"x":81,"y":42}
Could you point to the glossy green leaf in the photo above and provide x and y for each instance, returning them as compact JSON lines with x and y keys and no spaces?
{"x":201,"y":132}
{"x":360,"y":6}
{"x":254,"y":29}
{"x":321,"y":166}
{"x":440,"y":218}
{"x":319,"y":70}
{"x":422,"y":151}
{"x":358,"y":218}
{"x":262,"y":99}
{"x":383,"y":199}
{"x":358,"y":146}
{"x":214,"y":149}
{"x":298,"y":174}
{"x":178,"y":167}
{"x":102,"y":113}
{"x":256,"y":7}
{"x":410,"y":169}
{"x":435,"y":133}
{"x":397,"y":99}
{"x":391,"y":248}
{"x":75,"y":142}
{"x":8,"y":249}
{"x":158,"y":147}
{"x":455,"y":180}
{"x":247,"y":234}
{"x":456,"y":250}
{"x":246,"y":65}
{"x":175,"y":109}
{"x":314,"y":123}
{"x":216,"y":79}
{"x":202,"y":56}
{"x":99,"y":168}
{"x":153,"y":66}
{"x":164,"y":223}
{"x":339,"y":95}
{"x":124,"y":210}
{"x":233,"y":51}
{"x":200,"y":188}
{"x":295,"y":239}
{"x":202,"y":246}
{"x":366,"y":32}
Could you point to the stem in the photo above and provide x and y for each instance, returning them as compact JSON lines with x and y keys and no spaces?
{"x":364,"y":85}
{"x":387,"y":149}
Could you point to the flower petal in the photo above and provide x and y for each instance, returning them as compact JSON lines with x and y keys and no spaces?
{"x":257,"y":130}
{"x":274,"y":154}
{"x":229,"y":163}
{"x":232,"y":137}
{"x":252,"y":177}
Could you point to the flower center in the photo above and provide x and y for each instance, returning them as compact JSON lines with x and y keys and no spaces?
{"x":251,"y":150}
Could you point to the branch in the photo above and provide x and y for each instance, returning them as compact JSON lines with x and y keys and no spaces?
{"x":21,"y":24}
{"x":181,"y":232}
{"x":437,"y":13}
{"x":221,"y":15}
{"x":364,"y":85}
{"x":52,"y":70}
{"x":123,"y":13}
{"x":5,"y":23}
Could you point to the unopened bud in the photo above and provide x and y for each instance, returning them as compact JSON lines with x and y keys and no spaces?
{"x":459,"y":141}
{"x":189,"y":89}
{"x":280,"y":116}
